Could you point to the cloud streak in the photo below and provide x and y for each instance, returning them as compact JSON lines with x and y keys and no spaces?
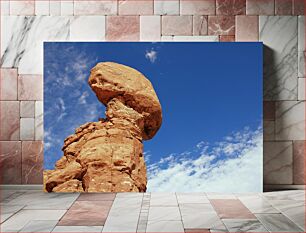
{"x":151,"y":55}
{"x":232,"y":165}
{"x":69,"y":101}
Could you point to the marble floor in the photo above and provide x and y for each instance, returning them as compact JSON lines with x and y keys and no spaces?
{"x":35,"y":211}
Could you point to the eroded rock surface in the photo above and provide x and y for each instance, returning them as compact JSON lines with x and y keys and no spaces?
{"x":107,"y":156}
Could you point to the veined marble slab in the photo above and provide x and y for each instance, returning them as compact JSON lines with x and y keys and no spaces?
{"x":290,"y":120}
{"x":41,"y":200}
{"x":277,"y":223}
{"x":257,"y":205}
{"x":301,"y":46}
{"x":167,"y":213}
{"x":75,"y":229}
{"x":8,"y":210}
{"x":294,"y":195}
{"x":205,"y":217}
{"x":184,"y":198}
{"x":124,"y":214}
{"x":22,"y":40}
{"x":165,"y":226}
{"x":294,"y":210}
{"x":163,"y":199}
{"x":242,"y":225}
{"x":279,"y":35}
{"x":39,"y":116}
{"x":21,"y":219}
{"x":39,"y":226}
{"x":278,"y":163}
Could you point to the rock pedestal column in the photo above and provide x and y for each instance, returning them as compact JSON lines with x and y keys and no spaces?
{"x":107,"y":156}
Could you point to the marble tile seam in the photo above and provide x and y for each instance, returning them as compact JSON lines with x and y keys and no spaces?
{"x":11,"y":215}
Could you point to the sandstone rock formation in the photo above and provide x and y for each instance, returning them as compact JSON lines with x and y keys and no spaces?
{"x":107,"y":156}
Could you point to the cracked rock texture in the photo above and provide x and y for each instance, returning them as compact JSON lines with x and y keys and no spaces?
{"x":107,"y":156}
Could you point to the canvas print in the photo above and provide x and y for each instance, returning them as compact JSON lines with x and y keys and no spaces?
{"x":153,"y":117}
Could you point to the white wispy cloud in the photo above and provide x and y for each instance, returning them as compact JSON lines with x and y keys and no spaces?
{"x":49,"y":139}
{"x":232,"y":165}
{"x":62,"y":105}
{"x":82,"y":99}
{"x":151,"y":55}
{"x":147,"y":155}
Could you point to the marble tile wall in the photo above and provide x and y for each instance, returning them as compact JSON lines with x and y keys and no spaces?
{"x":279,"y":24}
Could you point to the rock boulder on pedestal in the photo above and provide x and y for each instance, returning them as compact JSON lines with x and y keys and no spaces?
{"x":107,"y":156}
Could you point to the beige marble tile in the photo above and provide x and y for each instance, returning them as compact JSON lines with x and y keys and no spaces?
{"x":9,"y":120}
{"x":32,"y":162}
{"x":87,"y":28}
{"x":22,"y":7}
{"x":164,"y":213}
{"x":27,"y":109}
{"x":301,"y":88}
{"x":166,"y":7}
{"x":122,"y":28}
{"x":298,"y":7}
{"x":107,"y":7}
{"x":231,"y":209}
{"x":39,"y":226}
{"x":298,"y":162}
{"x":290,"y":120}
{"x":191,"y":7}
{"x":176,"y":25}
{"x":240,"y":225}
{"x":196,"y":38}
{"x":5,"y":7}
{"x":22,"y":218}
{"x":135,"y":7}
{"x":206,"y":217}
{"x":260,"y":7}
{"x":163,"y":199}
{"x":247,"y":28}
{"x":165,"y":226}
{"x":301,"y":47}
{"x":269,"y":110}
{"x":39,"y":121}
{"x":42,"y":7}
{"x":278,"y":163}
{"x":230,"y":7}
{"x":27,"y":129}
{"x":192,"y":198}
{"x":200,"y":25}
{"x":269,"y":130}
{"x":150,"y":28}
{"x":257,"y":204}
{"x":8,"y":81}
{"x":75,"y":229}
{"x":283,"y":7}
{"x":66,"y":7}
{"x":10,"y":155}
{"x":30,"y":87}
{"x":55,"y":8}
{"x":8,"y":210}
{"x":277,"y":223}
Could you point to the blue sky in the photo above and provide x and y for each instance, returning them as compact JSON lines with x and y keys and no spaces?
{"x":211,"y":96}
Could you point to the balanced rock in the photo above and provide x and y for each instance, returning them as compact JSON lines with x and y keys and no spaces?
{"x":107,"y":156}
